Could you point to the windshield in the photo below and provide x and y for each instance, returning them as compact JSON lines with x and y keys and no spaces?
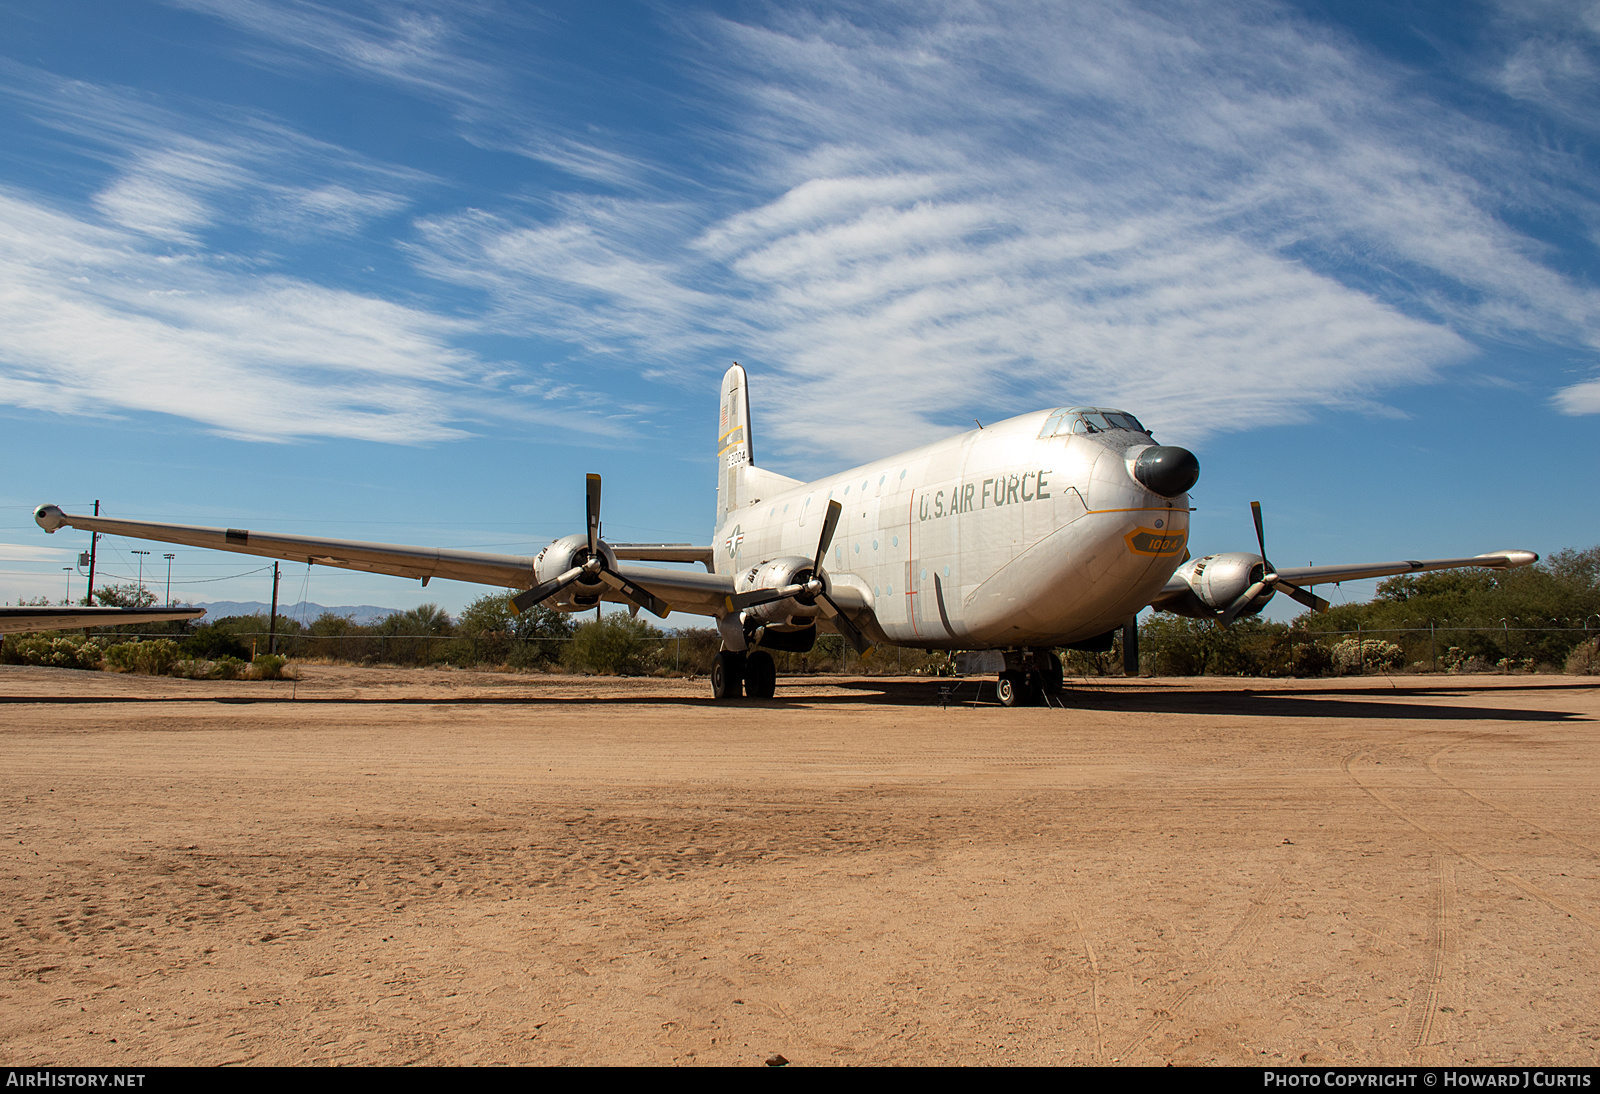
{"x":1083,"y":419}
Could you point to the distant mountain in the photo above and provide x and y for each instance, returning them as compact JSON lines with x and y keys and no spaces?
{"x":305,"y":611}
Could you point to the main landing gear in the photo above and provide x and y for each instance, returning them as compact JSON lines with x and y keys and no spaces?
{"x":1030,"y":685}
{"x":750,"y":674}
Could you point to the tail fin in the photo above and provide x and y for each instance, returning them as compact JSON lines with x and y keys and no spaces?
{"x":734,"y":449}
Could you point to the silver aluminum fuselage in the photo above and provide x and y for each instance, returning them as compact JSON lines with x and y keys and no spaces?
{"x":992,"y":539}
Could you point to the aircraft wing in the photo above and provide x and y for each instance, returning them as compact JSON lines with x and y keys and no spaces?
{"x":1323,"y":575}
{"x":684,"y":591}
{"x":23,"y":620}
{"x":1178,"y":595}
{"x":663,"y":552}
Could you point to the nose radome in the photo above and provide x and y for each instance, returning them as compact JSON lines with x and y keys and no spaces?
{"x":1167,"y":470}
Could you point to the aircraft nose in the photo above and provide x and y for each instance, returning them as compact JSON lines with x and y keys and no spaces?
{"x":1167,"y":470}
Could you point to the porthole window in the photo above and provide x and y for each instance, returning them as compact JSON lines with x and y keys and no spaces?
{"x":874,"y":545}
{"x":858,"y":548}
{"x":947,"y":571}
{"x":785,"y":508}
{"x":847,"y":491}
{"x":902,"y":474}
{"x":889,"y":590}
{"x":924,"y":574}
{"x":883,"y":478}
{"x":876,"y":591}
{"x":894,"y":541}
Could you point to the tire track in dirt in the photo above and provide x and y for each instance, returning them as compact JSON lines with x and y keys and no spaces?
{"x":1427,"y":1005}
{"x":1163,"y":1013}
{"x":1589,"y":919}
{"x":1433,"y":766}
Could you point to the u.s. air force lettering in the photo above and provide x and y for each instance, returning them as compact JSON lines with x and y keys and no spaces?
{"x":988,"y":494}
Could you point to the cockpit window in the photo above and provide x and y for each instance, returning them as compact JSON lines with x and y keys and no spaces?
{"x":1082,"y":419}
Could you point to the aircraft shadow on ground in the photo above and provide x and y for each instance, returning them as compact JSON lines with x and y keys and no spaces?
{"x":1376,"y":702}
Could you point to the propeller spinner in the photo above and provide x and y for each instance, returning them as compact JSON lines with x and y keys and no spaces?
{"x":592,"y":568}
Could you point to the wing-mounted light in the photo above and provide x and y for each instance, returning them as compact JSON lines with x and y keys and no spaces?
{"x":578,"y":571}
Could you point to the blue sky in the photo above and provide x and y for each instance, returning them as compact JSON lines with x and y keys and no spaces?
{"x":404,"y":272}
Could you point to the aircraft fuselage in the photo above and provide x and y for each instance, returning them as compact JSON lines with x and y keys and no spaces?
{"x":1001,"y":537}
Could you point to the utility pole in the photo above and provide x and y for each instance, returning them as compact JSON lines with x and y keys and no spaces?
{"x":169,"y":559}
{"x":94,"y":541}
{"x":140,"y":595}
{"x":69,"y":569}
{"x":272,"y":627}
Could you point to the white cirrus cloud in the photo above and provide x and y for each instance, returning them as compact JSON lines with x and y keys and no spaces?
{"x":1218,"y":215}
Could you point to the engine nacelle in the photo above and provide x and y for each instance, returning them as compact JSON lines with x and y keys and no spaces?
{"x":1216,"y":581}
{"x":563,"y":555}
{"x":775,"y":574}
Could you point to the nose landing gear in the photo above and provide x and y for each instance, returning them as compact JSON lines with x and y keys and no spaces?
{"x":1033,"y":684}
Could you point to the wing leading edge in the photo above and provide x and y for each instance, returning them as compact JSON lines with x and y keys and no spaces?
{"x":685,"y":591}
{"x":23,"y":620}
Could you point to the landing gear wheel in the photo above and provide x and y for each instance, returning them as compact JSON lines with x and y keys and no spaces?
{"x":1012,"y":690}
{"x":760,"y":675}
{"x":727,"y":675}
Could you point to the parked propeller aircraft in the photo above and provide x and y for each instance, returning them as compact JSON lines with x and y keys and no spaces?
{"x":1051,"y":530}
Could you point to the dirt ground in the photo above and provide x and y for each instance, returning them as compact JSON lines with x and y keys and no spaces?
{"x":391,"y":866}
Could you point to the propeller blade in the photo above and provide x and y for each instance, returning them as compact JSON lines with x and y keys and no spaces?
{"x":529,"y":597}
{"x":1305,"y":596}
{"x":1261,"y":536}
{"x":829,"y":523}
{"x":636,"y":594}
{"x":763,"y":596}
{"x":1243,"y":602}
{"x":592,"y":511}
{"x":842,"y":623}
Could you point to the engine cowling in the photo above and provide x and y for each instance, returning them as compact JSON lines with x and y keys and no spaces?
{"x":1216,"y":581}
{"x":777,"y":573}
{"x":563,"y":555}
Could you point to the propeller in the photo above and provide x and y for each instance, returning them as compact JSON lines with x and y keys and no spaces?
{"x":1269,"y":580}
{"x":592,"y":566}
{"x":813,"y":590}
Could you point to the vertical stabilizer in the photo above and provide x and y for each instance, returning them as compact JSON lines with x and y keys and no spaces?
{"x":734,"y":450}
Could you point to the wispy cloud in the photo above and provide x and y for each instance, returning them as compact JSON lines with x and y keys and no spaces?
{"x":1218,"y":215}
{"x":96,"y":322}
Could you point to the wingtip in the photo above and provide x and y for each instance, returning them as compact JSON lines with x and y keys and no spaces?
{"x":49,"y":517}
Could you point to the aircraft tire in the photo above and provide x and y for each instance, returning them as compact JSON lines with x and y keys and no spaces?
{"x":727,"y":675}
{"x":760,"y":675}
{"x":1011,"y":689}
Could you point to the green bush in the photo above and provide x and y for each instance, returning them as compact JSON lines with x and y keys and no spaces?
{"x":615,"y":645}
{"x":269,"y":666}
{"x":54,"y":651}
{"x":154,"y":658}
{"x":1585,"y":659}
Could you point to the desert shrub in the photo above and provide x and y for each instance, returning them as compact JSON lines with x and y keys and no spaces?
{"x":212,"y":641}
{"x":490,"y":632}
{"x":154,"y":658}
{"x":270,"y":666}
{"x":1354,"y":655}
{"x":615,"y":645}
{"x":54,"y":651}
{"x":1584,"y":660}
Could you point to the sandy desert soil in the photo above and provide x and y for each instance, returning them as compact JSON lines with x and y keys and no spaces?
{"x":389,"y":866}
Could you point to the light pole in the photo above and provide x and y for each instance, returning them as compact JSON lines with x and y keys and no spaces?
{"x":68,"y":600}
{"x":169,"y":559}
{"x":141,"y":555}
